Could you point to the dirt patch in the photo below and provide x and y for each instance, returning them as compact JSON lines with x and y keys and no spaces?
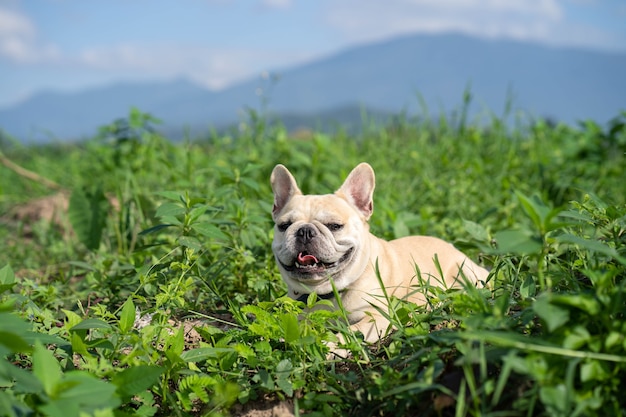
{"x":264,"y":407}
{"x":51,"y":209}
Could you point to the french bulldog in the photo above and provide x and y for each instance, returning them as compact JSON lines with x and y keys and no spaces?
{"x":324,"y":240}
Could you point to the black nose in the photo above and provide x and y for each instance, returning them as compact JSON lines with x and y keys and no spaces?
{"x":305,"y":234}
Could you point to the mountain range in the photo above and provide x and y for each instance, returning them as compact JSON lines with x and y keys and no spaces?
{"x":404,"y":74}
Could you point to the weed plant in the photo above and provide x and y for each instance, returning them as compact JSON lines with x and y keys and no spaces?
{"x":155,"y":293}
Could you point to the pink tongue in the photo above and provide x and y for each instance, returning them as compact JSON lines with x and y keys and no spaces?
{"x":307,"y":259}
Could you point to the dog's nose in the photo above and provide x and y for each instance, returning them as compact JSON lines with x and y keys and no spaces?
{"x":306,"y":233}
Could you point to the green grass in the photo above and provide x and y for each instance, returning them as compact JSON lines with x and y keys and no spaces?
{"x":182,"y":233}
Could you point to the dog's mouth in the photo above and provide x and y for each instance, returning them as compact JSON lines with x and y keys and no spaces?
{"x":308,"y":264}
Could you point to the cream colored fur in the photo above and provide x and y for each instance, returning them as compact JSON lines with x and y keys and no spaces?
{"x":324,"y":238}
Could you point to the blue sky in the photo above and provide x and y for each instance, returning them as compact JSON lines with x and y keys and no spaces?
{"x":67,"y":45}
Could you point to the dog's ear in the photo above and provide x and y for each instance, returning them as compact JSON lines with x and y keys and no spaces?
{"x":358,"y":189}
{"x":284,"y":186}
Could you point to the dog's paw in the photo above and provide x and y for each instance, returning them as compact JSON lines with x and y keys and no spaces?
{"x":335,"y":353}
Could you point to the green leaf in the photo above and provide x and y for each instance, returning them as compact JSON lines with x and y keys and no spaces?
{"x":91,"y":324}
{"x":591,"y":245}
{"x":100,"y":343}
{"x":247,"y":353}
{"x":291,"y":328}
{"x":201,"y":354}
{"x":284,"y":366}
{"x":87,"y":213}
{"x":13,"y":342}
{"x":584,"y":302}
{"x":285,"y":385}
{"x":528,"y":288}
{"x":594,"y":371}
{"x":555,"y":397}
{"x":81,"y":393}
{"x":517,"y":242}
{"x":14,"y":332}
{"x":264,"y":379}
{"x":228,"y":360}
{"x":6,"y":275}
{"x":85,"y":389}
{"x":553,"y":315}
{"x":190,"y":242}
{"x":283,"y":372}
{"x":196,"y":212}
{"x":46,"y":339}
{"x":22,"y":381}
{"x":60,"y":408}
{"x":46,"y":368}
{"x":254,"y":185}
{"x":155,"y":229}
{"x":177,"y":341}
{"x":209,"y":230}
{"x":78,"y":343}
{"x":6,"y":287}
{"x":476,"y":231}
{"x":170,"y":195}
{"x":132,"y":381}
{"x":127,"y":316}
{"x":575,"y":215}
{"x":576,"y":337}
{"x":83,"y":265}
{"x":613,"y":339}
{"x":534,"y":210}
{"x":11,"y":406}
{"x":540,"y":214}
{"x":72,"y":318}
{"x":169,"y":209}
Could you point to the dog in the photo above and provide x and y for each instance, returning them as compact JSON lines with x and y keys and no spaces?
{"x":321,"y":241}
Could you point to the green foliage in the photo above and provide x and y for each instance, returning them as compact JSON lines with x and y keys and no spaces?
{"x":87,"y":213}
{"x":164,"y":298}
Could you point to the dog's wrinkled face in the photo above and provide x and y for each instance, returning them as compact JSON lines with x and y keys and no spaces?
{"x":320,"y":237}
{"x":313,"y":244}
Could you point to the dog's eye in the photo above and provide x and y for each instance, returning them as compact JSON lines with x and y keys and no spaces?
{"x":333,"y":227}
{"x":284,"y":226}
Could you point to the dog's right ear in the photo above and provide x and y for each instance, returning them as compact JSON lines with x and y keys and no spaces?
{"x":284,"y":186}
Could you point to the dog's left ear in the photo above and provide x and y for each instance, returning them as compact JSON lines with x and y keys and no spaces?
{"x":358,"y":189}
{"x":284,"y":186}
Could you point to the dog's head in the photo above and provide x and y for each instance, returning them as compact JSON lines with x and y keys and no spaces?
{"x":322,"y":237}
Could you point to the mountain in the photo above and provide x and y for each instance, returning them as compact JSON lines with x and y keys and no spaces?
{"x":564,"y":84}
{"x":71,"y":115}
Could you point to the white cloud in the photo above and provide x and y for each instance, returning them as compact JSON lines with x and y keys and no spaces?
{"x":18,"y":39}
{"x":211,"y":67}
{"x":16,"y":33}
{"x":19,"y":44}
{"x":276,"y":4}
{"x":366,"y":20}
{"x":162,"y":61}
{"x":13,"y":23}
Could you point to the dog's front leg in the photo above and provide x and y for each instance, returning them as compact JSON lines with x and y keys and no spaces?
{"x":373,"y":327}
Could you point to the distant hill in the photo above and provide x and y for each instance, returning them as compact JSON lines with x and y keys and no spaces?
{"x":564,"y":84}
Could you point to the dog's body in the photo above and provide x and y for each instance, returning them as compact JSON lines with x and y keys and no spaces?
{"x":324,"y":238}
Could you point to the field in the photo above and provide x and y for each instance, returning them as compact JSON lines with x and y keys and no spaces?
{"x":136,"y":275}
